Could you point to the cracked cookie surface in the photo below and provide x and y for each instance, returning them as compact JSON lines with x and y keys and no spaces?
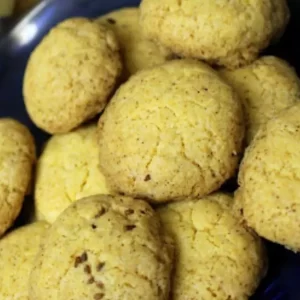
{"x":170,"y":132}
{"x":266,"y":87}
{"x":269,"y":180}
{"x":221,"y":32}
{"x":215,"y":256}
{"x":138,"y":52}
{"x":17,"y":157}
{"x":71,"y":74}
{"x":67,"y":171}
{"x":104,"y":247}
{"x":18,"y":250}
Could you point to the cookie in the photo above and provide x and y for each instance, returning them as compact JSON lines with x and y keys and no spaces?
{"x":266,"y":87}
{"x":104,"y":247}
{"x":71,"y":74}
{"x":17,"y":156}
{"x":170,"y":132}
{"x":216,"y":257}
{"x":268,"y":196}
{"x":18,"y":250}
{"x":138,"y":52}
{"x":68,"y":171}
{"x":221,"y":32}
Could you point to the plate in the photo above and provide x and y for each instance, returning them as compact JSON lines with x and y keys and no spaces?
{"x":282,"y":280}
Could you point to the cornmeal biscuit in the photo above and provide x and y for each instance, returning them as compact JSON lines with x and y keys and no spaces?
{"x":104,"y":247}
{"x":17,"y":156}
{"x":68,"y":170}
{"x":221,"y":32}
{"x":138,"y":52}
{"x":18,"y":250}
{"x":71,"y":74}
{"x":266,"y":87}
{"x":216,"y":257}
{"x":171,"y":132}
{"x":269,"y":179}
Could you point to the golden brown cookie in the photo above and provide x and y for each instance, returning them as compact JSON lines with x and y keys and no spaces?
{"x":171,"y":132}
{"x":104,"y":247}
{"x":71,"y":74}
{"x":266,"y":87}
{"x":68,"y":170}
{"x":17,"y":156}
{"x":221,"y":32}
{"x":18,"y":250}
{"x":269,"y":179}
{"x":138,"y":52}
{"x":216,"y":257}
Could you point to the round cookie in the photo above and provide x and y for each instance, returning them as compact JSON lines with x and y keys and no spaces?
{"x":216,"y":257}
{"x":71,"y":74}
{"x":171,"y":132}
{"x":266,"y":87}
{"x":221,"y":32}
{"x":67,"y":171}
{"x":17,"y":157}
{"x":104,"y":247}
{"x":269,"y":180}
{"x":18,"y":250}
{"x":138,"y":52}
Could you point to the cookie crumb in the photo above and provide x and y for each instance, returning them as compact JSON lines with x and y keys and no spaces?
{"x":100,"y":266}
{"x":77,"y":261}
{"x":87,"y":269}
{"x":100,"y":284}
{"x":129,"y":212}
{"x":111,"y":21}
{"x":91,"y":280}
{"x":98,"y":296}
{"x":101,"y":212}
{"x":83,"y":257}
{"x":148,"y":177}
{"x":129,"y":227}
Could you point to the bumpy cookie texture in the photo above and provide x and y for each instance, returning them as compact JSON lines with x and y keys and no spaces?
{"x":68,"y":170}
{"x":221,"y":32}
{"x":18,"y":250}
{"x":266,"y":87}
{"x":170,"y":132}
{"x":17,"y":156}
{"x":71,"y":74}
{"x":104,"y":247}
{"x":216,"y":257}
{"x":269,"y":180}
{"x":138,"y":52}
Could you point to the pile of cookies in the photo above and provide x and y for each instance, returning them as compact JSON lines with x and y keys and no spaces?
{"x":151,"y":111}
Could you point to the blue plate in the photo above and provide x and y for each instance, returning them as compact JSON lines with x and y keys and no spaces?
{"x":282,"y":280}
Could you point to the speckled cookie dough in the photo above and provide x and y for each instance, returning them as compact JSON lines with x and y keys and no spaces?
{"x":71,"y":74}
{"x":171,"y":132}
{"x":216,"y":257}
{"x":269,"y":180}
{"x":221,"y":32}
{"x":68,"y":170}
{"x":104,"y":247}
{"x":17,"y":156}
{"x":18,"y":250}
{"x":138,"y":52}
{"x":266,"y":87}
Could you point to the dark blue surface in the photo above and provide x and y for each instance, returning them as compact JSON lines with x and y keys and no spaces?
{"x":283,"y":279}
